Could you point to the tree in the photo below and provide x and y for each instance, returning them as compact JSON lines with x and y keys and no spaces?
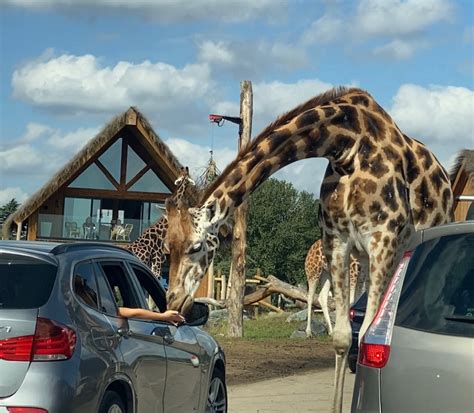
{"x":7,"y":209}
{"x":282,"y":225}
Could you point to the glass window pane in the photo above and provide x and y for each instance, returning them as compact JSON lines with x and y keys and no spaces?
{"x":77,"y":216}
{"x":85,"y":286}
{"x":134,"y":164}
{"x":153,"y":294}
{"x":24,"y":282}
{"x":149,"y":183}
{"x":107,"y":302}
{"x":119,"y":282}
{"x":92,"y":178}
{"x":111,"y":159}
{"x":438,"y":291}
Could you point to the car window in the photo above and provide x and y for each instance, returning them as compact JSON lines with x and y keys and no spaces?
{"x":438,"y":291}
{"x":107,"y":301}
{"x":152,"y":293}
{"x":120,"y":285}
{"x":84,"y":284}
{"x":25,"y":282}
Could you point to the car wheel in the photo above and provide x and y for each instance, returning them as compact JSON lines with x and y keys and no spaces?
{"x":352,"y":364}
{"x":217,"y":393}
{"x":112,"y":403}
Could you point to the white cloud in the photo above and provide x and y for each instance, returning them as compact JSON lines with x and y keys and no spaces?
{"x":72,"y":85}
{"x":7,"y":194}
{"x":196,"y":157}
{"x":251,"y":62}
{"x":73,"y":141}
{"x":81,"y":84}
{"x":399,"y":17}
{"x":215,"y":52}
{"x":164,"y":11}
{"x":398,"y":49}
{"x":439,"y":116}
{"x":326,"y":29}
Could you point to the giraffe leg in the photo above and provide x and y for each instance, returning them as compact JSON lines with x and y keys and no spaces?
{"x":382,"y":264}
{"x":311,"y":291}
{"x":362,"y":276}
{"x":338,"y":261}
{"x":323,"y":300}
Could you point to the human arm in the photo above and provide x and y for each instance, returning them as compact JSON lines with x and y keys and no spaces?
{"x":169,"y":315}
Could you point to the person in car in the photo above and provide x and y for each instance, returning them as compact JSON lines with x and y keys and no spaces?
{"x":171,"y":316}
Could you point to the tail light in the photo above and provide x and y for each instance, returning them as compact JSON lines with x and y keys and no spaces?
{"x":351,"y":314}
{"x":52,"y":341}
{"x":26,"y":410}
{"x":375,"y":346}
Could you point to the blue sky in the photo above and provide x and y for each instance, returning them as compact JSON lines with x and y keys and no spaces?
{"x":68,"y":66}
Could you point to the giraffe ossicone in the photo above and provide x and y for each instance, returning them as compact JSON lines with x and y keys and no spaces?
{"x":379,"y":187}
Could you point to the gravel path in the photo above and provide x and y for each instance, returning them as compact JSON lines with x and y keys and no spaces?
{"x":301,"y":393}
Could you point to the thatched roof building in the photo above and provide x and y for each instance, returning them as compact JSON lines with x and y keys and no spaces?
{"x":462,"y":181}
{"x":120,"y":175}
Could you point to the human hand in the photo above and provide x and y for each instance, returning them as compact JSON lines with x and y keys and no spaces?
{"x":173,"y":316}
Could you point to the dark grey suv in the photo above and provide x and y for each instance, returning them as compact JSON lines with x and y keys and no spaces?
{"x":64,"y":349}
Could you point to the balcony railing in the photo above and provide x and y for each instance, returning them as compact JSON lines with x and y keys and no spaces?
{"x":74,"y":228}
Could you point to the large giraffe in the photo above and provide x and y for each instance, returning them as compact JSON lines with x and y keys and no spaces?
{"x":380,"y":186}
{"x":149,"y":246}
{"x":316,"y":270}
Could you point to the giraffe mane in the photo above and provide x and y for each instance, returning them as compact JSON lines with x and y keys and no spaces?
{"x":315,"y":101}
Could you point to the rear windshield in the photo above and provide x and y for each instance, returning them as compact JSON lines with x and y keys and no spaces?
{"x":24,"y":282}
{"x":438,"y":291}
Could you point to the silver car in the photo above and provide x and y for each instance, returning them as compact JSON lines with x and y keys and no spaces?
{"x":64,"y":349}
{"x":418,"y":353}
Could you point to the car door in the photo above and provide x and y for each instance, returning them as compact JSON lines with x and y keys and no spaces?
{"x":183,"y":353}
{"x":143,"y":352}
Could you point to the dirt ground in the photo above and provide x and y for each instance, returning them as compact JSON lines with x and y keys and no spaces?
{"x":253,"y":360}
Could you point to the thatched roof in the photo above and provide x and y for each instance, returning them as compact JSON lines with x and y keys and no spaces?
{"x":464,"y":160}
{"x":132,"y":117}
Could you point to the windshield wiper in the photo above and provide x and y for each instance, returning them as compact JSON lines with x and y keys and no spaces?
{"x":461,"y":318}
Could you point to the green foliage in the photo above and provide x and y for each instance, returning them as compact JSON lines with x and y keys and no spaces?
{"x":7,"y":209}
{"x":282,"y":225}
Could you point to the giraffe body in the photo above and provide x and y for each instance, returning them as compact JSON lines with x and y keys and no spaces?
{"x":317,"y":273}
{"x":380,"y":186}
{"x":149,"y":247}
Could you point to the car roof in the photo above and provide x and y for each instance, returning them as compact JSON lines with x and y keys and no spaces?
{"x":57,"y":248}
{"x":448,"y":229}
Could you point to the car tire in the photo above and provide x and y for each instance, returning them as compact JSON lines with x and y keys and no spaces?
{"x":217,"y":393}
{"x":112,"y":403}
{"x":352,"y":362}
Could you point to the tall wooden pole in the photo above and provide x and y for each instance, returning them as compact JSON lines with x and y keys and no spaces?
{"x":236,"y":291}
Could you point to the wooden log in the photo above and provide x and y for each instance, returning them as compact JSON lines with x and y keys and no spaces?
{"x":270,"y":306}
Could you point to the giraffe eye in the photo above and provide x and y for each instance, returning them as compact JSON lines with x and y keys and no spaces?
{"x":195,"y":248}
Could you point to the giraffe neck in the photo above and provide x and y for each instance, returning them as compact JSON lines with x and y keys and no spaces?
{"x":307,"y":135}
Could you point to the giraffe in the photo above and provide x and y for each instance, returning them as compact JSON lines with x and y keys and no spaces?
{"x":316,"y":269}
{"x":149,"y":246}
{"x":380,"y":185}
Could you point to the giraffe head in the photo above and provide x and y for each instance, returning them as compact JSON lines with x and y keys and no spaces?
{"x":192,"y":240}
{"x":183,"y":182}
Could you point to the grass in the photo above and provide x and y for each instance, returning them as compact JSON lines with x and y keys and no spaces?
{"x":261,"y":328}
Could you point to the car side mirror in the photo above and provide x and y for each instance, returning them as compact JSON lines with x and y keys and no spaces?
{"x":197,"y":315}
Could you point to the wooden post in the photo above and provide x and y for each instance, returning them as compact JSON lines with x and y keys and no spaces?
{"x":210,"y":281}
{"x":236,"y":293}
{"x":19,"y":225}
{"x":223,"y":287}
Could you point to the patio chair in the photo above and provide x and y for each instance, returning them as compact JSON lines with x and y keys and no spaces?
{"x":124,"y":233}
